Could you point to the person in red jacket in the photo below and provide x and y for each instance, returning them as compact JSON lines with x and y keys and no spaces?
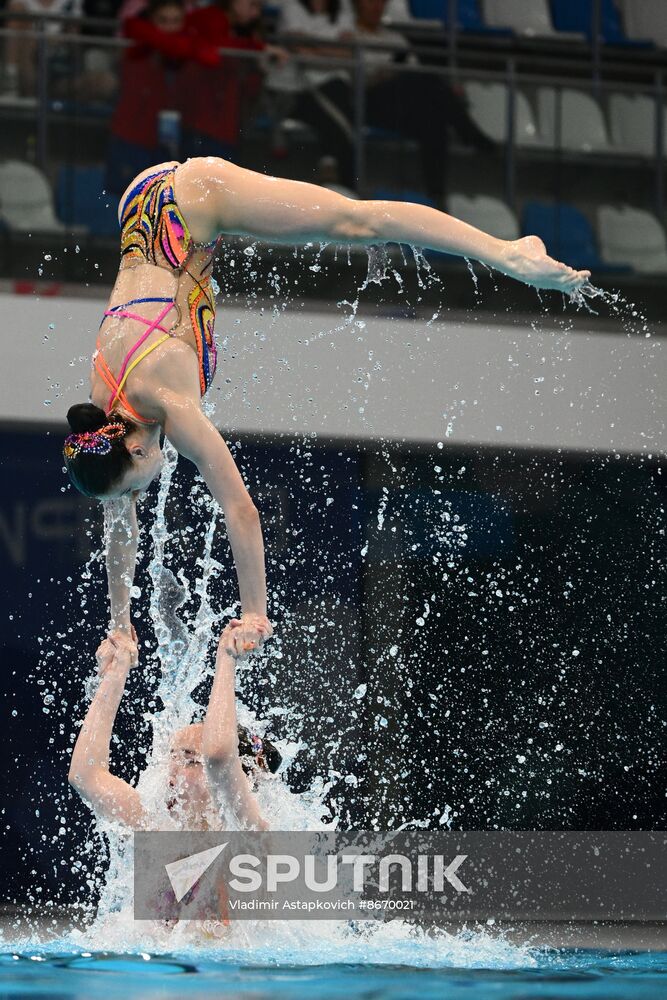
{"x":212,"y":122}
{"x":151,"y":81}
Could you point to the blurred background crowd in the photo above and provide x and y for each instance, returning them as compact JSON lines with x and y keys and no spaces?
{"x":535,"y":116}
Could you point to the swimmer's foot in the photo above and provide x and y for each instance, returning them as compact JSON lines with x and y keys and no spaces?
{"x":527,"y":260}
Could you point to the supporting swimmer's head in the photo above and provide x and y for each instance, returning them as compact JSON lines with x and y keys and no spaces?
{"x":189,"y":795}
{"x":107,"y":456}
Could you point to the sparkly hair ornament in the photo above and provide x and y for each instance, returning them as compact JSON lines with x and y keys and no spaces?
{"x":93,"y":442}
{"x":258,"y":750}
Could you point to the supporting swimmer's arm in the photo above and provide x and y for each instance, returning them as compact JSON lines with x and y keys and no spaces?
{"x":121,"y":533}
{"x":220,"y":749}
{"x":253,"y":204}
{"x":107,"y":795}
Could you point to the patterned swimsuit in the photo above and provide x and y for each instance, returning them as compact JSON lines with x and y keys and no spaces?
{"x":154,"y":231}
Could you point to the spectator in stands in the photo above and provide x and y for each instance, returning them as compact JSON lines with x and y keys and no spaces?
{"x":219,"y":95}
{"x":98,"y":79}
{"x":21,"y":50}
{"x":421,"y":106}
{"x":135,"y":8}
{"x":327,"y":21}
{"x":152,"y":81}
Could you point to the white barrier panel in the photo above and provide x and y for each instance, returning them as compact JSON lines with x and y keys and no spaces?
{"x":455,"y":382}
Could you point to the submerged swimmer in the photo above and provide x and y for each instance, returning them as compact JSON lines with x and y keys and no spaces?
{"x":172,"y":217}
{"x":213,"y":764}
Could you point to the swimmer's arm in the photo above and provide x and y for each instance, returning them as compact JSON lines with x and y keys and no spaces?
{"x":254,"y":204}
{"x":108,"y":796}
{"x":220,"y":748}
{"x":194,"y":436}
{"x":122,"y":535}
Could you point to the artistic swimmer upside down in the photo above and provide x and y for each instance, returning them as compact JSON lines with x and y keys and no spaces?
{"x":172,"y":218}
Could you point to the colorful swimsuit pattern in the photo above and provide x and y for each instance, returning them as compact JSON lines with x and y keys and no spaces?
{"x":154,"y":231}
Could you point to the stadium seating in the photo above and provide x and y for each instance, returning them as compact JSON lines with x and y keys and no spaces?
{"x":633,"y":236}
{"x":428,"y":10}
{"x":397,"y":12}
{"x":81,"y":201}
{"x":468,"y":15}
{"x":26,"y":201}
{"x":632,"y":124}
{"x":646,"y":19}
{"x":582,"y":125}
{"x":488,"y":107}
{"x":489,"y":214}
{"x":525,"y":17}
{"x":577,"y":15}
{"x":567,"y":234}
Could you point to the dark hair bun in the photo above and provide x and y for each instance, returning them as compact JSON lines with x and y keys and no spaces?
{"x":86,"y":417}
{"x":272,"y":754}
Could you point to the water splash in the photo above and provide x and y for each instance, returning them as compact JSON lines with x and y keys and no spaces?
{"x":183,"y":618}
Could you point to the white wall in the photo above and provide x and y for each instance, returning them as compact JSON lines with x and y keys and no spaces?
{"x":457,"y":382}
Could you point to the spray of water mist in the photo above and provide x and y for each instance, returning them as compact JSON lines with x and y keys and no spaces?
{"x":184,"y":618}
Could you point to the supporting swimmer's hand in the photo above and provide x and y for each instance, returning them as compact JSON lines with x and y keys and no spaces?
{"x":117,"y":653}
{"x":527,"y":260}
{"x":245,"y":635}
{"x":122,"y":634}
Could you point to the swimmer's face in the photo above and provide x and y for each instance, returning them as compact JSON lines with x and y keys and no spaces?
{"x":188,"y":795}
{"x":243,"y":12}
{"x":146,"y":466}
{"x":170,"y":18}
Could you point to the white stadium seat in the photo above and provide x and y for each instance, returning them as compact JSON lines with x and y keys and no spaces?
{"x":646,"y":19}
{"x":632,"y":124}
{"x":582,"y":124}
{"x":526,"y":17}
{"x":631,"y":236}
{"x":488,"y":108}
{"x":26,"y":200}
{"x":484,"y":212}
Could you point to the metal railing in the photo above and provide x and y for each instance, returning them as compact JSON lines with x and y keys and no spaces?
{"x":47,"y":107}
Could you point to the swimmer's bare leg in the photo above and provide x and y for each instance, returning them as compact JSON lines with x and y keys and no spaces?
{"x":217,"y":197}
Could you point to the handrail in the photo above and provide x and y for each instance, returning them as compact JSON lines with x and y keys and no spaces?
{"x":511,"y":75}
{"x":442,"y":45}
{"x":357,"y":45}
